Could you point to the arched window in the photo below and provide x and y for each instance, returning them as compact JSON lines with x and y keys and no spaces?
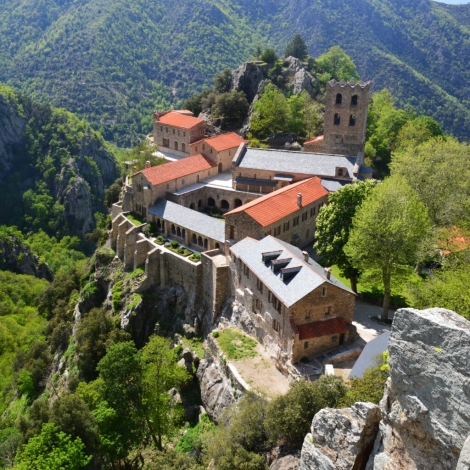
{"x":352,"y":120}
{"x":339,"y":98}
{"x":205,"y":243}
{"x":173,"y":229}
{"x":224,"y":205}
{"x":217,"y":246}
{"x":176,"y":145}
{"x":220,"y":167}
{"x":159,"y":224}
{"x":178,"y":232}
{"x":192,"y":206}
{"x":194,"y":239}
{"x":354,"y":100}
{"x":337,"y":119}
{"x":183,"y":233}
{"x":238,"y":202}
{"x":183,"y":147}
{"x":199,"y":241}
{"x":199,"y":203}
{"x":211,"y":202}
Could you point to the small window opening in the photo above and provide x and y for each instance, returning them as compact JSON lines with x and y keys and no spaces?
{"x":352,"y":120}
{"x":354,"y":100}
{"x":339,"y":98}
{"x":337,"y":119}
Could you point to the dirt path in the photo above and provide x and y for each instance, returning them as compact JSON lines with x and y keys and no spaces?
{"x":261,"y":374}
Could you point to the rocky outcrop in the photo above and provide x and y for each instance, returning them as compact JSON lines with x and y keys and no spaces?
{"x":426,"y":406}
{"x":288,"y":462}
{"x":425,"y":410}
{"x":303,"y":81}
{"x":341,"y":439}
{"x":247,"y":78}
{"x":17,"y":257}
{"x":216,"y":390}
{"x":12,"y":125}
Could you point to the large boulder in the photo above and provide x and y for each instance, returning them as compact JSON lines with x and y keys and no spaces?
{"x":247,"y":78}
{"x":426,"y":407}
{"x":216,"y":391}
{"x":303,"y":81}
{"x":341,"y":439}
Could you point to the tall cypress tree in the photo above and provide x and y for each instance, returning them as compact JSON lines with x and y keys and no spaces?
{"x":297,"y":48}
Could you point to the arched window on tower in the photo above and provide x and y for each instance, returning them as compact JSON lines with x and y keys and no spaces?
{"x":337,"y":119}
{"x":354,"y":100}
{"x":352,"y":120}
{"x":339,"y":98}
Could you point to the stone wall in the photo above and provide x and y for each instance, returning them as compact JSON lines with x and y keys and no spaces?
{"x":341,"y":135}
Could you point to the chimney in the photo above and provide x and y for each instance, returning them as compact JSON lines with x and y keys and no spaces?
{"x":147,"y":164}
{"x":327,"y":273}
{"x":305,"y":256}
{"x":299,"y":199}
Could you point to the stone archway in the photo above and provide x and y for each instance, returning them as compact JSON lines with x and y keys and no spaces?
{"x":211,"y":202}
{"x":224,"y":205}
{"x":238,"y":203}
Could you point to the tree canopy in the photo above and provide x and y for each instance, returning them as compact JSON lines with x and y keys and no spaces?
{"x":387,"y":231}
{"x":297,"y":48}
{"x":335,"y":63}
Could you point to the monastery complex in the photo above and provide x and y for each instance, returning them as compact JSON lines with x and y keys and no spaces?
{"x":263,"y":205}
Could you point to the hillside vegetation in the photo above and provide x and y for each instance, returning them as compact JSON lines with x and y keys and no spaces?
{"x":114,"y":61}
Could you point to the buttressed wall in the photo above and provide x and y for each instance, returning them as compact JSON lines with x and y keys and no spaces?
{"x":345,"y":117}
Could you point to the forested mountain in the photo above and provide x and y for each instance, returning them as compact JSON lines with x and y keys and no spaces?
{"x":115,"y":61}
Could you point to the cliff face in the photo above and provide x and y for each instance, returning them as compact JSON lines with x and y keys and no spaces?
{"x":425,"y":412}
{"x":58,"y":160}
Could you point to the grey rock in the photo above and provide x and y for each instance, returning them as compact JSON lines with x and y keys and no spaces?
{"x":216,"y":391}
{"x":303,"y":81}
{"x":288,"y":462}
{"x":341,"y":439}
{"x":426,"y":406}
{"x":187,"y":355}
{"x":247,"y":78}
{"x":464,"y":459}
{"x":189,"y":331}
{"x":294,"y":64}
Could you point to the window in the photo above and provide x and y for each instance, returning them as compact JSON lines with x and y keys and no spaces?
{"x":182,"y":182}
{"x":323,"y":291}
{"x":184,"y":133}
{"x":308,"y":315}
{"x":246,"y":270}
{"x":259,"y":285}
{"x":229,"y":153}
{"x":337,"y":119}
{"x":183,"y":147}
{"x":196,"y":148}
{"x":334,"y":339}
{"x":328,"y":310}
{"x":340,"y":172}
{"x":306,"y":345}
{"x":257,"y":305}
{"x":304,"y":216}
{"x":211,"y":150}
{"x":173,"y":132}
{"x":166,"y":129}
{"x":139,"y":188}
{"x":176,"y":145}
{"x":203,"y":147}
{"x":168,"y":186}
{"x":312,"y":211}
{"x":295,"y":222}
{"x":161,"y":128}
{"x":339,"y":98}
{"x":354,"y":100}
{"x":352,"y":120}
{"x":276,"y":326}
{"x":178,"y":132}
{"x":286,"y":226}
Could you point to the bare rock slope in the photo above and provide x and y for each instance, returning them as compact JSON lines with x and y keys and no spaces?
{"x":425,"y":412}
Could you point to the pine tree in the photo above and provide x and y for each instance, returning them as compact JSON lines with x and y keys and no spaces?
{"x":297,"y":48}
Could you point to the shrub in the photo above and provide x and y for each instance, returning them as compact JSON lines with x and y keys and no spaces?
{"x":167,"y":244}
{"x":116,"y":295}
{"x":174,"y":244}
{"x":215,"y":334}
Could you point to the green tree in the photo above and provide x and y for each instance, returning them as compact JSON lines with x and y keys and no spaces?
{"x":269,"y":56}
{"x":438,"y":171}
{"x":271,"y":112}
{"x":335,"y":63}
{"x":296,"y":118}
{"x":161,"y":373}
{"x":52,"y":449}
{"x":232,"y":105}
{"x":289,"y":416}
{"x":334,"y":223}
{"x":387,"y":231}
{"x":297,"y":48}
{"x":223,"y":80}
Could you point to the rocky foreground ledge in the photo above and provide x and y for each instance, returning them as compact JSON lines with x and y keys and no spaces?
{"x":423,"y":421}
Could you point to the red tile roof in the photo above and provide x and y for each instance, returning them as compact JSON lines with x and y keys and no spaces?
{"x":180,"y":120}
{"x":225,"y":141}
{"x":170,"y":171}
{"x":314,"y":139}
{"x":268,"y":209}
{"x":317,"y":329}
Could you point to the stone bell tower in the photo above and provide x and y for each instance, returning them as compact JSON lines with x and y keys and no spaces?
{"x":345,"y":117}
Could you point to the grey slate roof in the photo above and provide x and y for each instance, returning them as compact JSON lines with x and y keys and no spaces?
{"x":309,"y":277}
{"x":332,"y":185}
{"x":367,"y":358}
{"x":295,"y":162}
{"x":189,"y":219}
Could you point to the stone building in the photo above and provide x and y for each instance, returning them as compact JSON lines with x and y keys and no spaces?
{"x":153,"y":182}
{"x":191,"y":228}
{"x":298,"y":308}
{"x":220,"y":149}
{"x":288,"y":214}
{"x":314,"y":145}
{"x":265,"y":170}
{"x":345,"y":117}
{"x":174,"y":131}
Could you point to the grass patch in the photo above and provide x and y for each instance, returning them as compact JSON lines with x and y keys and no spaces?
{"x":370,"y":285}
{"x":195,"y":344}
{"x":195,"y":257}
{"x":236,"y":345}
{"x":190,"y":440}
{"x":135,"y":218}
{"x":135,"y":299}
